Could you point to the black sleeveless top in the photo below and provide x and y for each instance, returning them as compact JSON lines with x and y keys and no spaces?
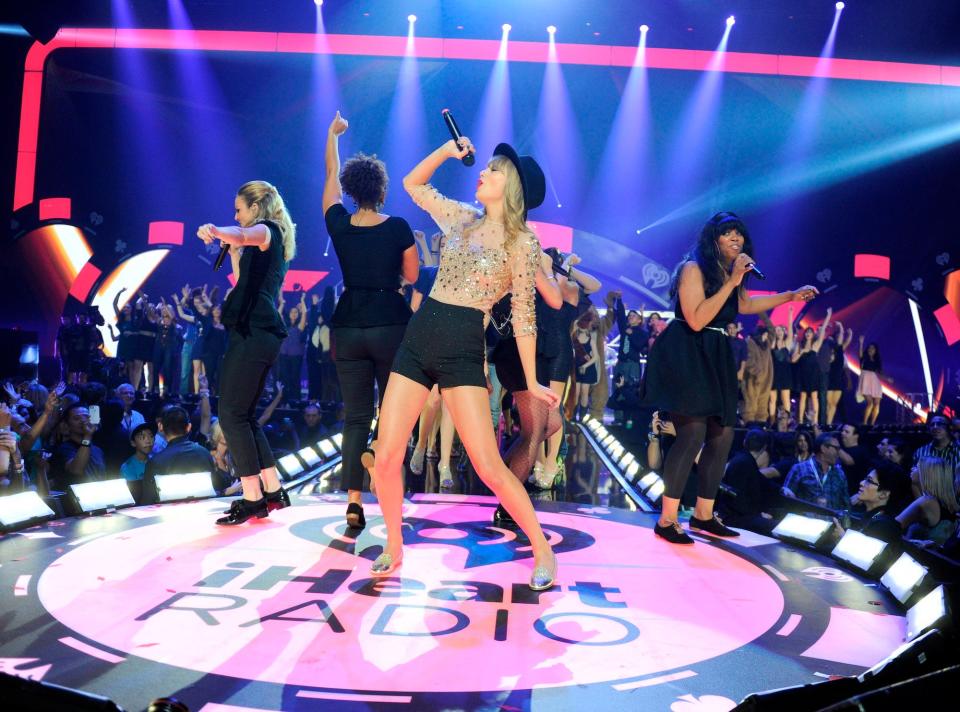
{"x":253,"y":302}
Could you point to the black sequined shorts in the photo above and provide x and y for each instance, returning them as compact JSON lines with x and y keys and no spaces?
{"x":444,"y":344}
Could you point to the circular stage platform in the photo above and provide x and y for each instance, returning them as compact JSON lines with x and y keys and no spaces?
{"x":282,"y":615}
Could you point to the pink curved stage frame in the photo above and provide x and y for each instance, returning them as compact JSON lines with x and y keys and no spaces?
{"x":432,"y":47}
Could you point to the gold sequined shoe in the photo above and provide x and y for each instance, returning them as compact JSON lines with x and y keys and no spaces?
{"x":543,"y":578}
{"x":539,"y":480}
{"x":385,"y":564}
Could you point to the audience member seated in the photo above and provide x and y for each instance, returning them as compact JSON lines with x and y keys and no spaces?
{"x":855,"y":458}
{"x":750,"y":485}
{"x":133,"y":469}
{"x":131,"y":418}
{"x":874,"y":504}
{"x":820,"y":479}
{"x":76,"y":459}
{"x":792,"y":448}
{"x":181,"y":455}
{"x":941,"y":445}
{"x":932,"y":517}
{"x":311,"y":429}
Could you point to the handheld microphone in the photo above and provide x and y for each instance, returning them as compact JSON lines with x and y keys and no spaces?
{"x":448,"y":119}
{"x":223,"y":253}
{"x":756,"y":271}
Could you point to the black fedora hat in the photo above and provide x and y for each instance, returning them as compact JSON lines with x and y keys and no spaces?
{"x":531,"y":176}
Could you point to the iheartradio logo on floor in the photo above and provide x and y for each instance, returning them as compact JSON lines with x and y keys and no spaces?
{"x":290,"y":601}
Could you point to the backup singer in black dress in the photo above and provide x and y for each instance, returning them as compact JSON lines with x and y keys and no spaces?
{"x":260,"y":251}
{"x":690,"y":371}
{"x":374,"y":251}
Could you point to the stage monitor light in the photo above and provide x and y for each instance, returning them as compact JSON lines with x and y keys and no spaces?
{"x":327,"y":448}
{"x":656,"y":490}
{"x":859,"y":550}
{"x":626,"y":460}
{"x":309,"y":456}
{"x":633,"y":468}
{"x":904,"y":577}
{"x":17,"y":510}
{"x":290,"y":465}
{"x":648,"y":480}
{"x":928,"y":612}
{"x":106,"y":494}
{"x":803,"y":529}
{"x":189,"y":485}
{"x":338,"y":440}
{"x":607,"y":440}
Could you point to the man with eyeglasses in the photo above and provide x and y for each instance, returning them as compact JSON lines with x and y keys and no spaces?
{"x":941,"y":445}
{"x":819,"y":479}
{"x":872,"y":511}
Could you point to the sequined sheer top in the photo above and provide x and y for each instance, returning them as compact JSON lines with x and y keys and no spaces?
{"x":476,"y":269}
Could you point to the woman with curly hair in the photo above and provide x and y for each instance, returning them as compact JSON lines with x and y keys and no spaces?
{"x":485,"y":255}
{"x":375,"y":251}
{"x":691,"y":371}
{"x":260,"y":252}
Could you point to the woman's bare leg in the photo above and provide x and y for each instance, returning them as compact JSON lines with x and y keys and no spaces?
{"x":470,"y":408}
{"x":402,"y":404}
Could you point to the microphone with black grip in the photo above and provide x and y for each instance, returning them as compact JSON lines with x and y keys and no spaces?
{"x":448,"y":119}
{"x":223,"y":253}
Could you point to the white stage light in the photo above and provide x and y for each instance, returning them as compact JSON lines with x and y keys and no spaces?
{"x":506,"y":27}
{"x":655,"y":491}
{"x":859,"y":550}
{"x":840,"y":6}
{"x":552,"y":29}
{"x":903,"y":578}
{"x":800,"y":528}
{"x":411,"y":18}
{"x":327,"y":448}
{"x":626,"y":460}
{"x":190,"y":485}
{"x":649,"y":480}
{"x":338,"y":440}
{"x":23,"y":507}
{"x":290,"y":465}
{"x":107,"y":494}
{"x":632,"y":469}
{"x":928,"y":611}
{"x":309,"y":456}
{"x":644,"y":29}
{"x":731,"y":21}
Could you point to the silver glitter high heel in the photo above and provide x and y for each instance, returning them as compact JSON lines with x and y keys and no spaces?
{"x":446,"y":476}
{"x":385,"y":564}
{"x":538,"y":480}
{"x":543,"y":578}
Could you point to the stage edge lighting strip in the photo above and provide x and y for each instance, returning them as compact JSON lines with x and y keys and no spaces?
{"x":426,"y":48}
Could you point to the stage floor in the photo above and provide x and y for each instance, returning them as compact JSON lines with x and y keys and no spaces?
{"x":281,"y":614}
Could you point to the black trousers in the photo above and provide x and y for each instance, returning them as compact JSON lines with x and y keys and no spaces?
{"x":363,"y":357}
{"x":288,"y":372}
{"x":243,"y":374}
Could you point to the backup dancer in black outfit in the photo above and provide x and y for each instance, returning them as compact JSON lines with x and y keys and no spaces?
{"x":691,"y":374}
{"x":260,"y":251}
{"x":538,"y":420}
{"x":374,"y":251}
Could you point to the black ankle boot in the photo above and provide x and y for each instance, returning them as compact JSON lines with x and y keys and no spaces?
{"x":277,"y":500}
{"x":244,"y":511}
{"x":502,"y":519}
